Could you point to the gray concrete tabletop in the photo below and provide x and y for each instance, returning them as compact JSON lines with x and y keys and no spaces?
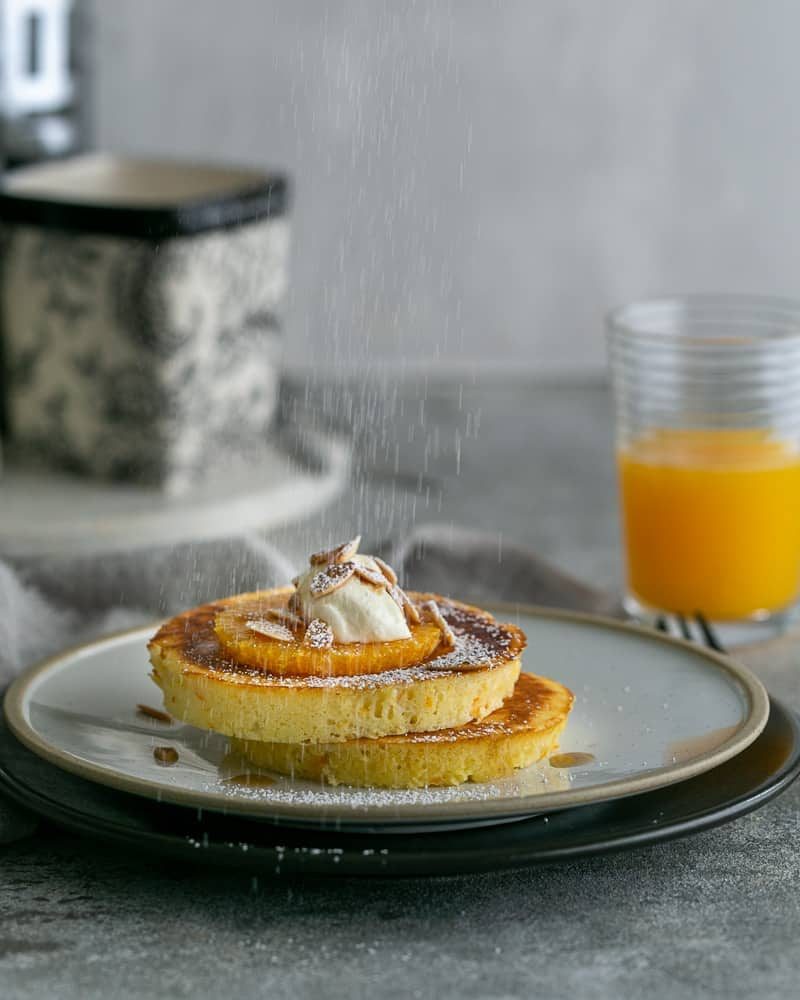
{"x":713,"y":915}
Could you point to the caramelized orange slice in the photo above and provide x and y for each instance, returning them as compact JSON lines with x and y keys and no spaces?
{"x":239,"y":629}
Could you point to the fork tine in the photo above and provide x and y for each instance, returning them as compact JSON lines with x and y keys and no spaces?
{"x":684,"y":627}
{"x":709,"y":634}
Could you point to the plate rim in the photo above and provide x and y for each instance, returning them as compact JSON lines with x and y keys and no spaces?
{"x":228,"y":854}
{"x":406,"y":815}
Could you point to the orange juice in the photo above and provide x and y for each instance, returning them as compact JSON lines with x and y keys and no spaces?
{"x":712,"y":521}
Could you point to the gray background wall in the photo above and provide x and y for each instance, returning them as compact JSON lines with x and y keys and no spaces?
{"x":476,"y":181}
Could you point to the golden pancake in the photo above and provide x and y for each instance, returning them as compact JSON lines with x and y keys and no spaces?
{"x":522,"y":731}
{"x":206,"y":688}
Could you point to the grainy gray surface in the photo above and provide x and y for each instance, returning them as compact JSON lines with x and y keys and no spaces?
{"x":716,"y":915}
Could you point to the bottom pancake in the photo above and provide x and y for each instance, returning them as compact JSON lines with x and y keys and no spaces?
{"x":524,"y":730}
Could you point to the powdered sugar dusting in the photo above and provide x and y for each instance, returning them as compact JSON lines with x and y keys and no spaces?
{"x":319,"y":634}
{"x":331,"y":578}
{"x":469,"y":653}
{"x":477,"y":730}
{"x":536,"y":779}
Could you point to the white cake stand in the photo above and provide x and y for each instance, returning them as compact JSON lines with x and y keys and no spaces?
{"x":44,"y":512}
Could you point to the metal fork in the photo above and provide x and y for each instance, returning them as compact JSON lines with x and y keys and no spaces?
{"x":707,"y":637}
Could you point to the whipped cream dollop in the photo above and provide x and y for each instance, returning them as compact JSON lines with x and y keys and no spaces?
{"x":355,"y":608}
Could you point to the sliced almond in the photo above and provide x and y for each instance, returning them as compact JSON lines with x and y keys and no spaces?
{"x":338,"y":554}
{"x":284,"y":617}
{"x":387,"y":571}
{"x":371,"y":576}
{"x":153,"y":713}
{"x":432,"y":613}
{"x":273,"y":630}
{"x":411,"y":612}
{"x":331,"y":578}
{"x":319,"y":634}
{"x":404,"y":601}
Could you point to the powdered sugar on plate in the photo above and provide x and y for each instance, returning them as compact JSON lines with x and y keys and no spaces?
{"x":537,"y":779}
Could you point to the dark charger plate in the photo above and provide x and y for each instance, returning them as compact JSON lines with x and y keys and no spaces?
{"x":737,"y":787}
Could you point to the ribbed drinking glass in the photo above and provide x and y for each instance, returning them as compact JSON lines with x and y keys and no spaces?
{"x":707,"y":392}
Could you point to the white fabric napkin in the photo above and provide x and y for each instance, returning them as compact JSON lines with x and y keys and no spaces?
{"x":49,"y":604}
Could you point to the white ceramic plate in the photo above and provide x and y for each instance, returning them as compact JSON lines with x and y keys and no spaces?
{"x":650,"y":710}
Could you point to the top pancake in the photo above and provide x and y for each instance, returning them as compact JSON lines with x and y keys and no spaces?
{"x":204,"y":688}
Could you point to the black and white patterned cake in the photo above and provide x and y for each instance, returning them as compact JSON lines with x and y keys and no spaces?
{"x":141,"y":314}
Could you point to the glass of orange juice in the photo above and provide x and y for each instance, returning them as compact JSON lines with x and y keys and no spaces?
{"x":707,"y":392}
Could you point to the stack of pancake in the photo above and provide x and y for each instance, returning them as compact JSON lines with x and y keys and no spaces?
{"x":445,"y":705}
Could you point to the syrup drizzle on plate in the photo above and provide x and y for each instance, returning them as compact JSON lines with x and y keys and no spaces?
{"x":574,"y":759}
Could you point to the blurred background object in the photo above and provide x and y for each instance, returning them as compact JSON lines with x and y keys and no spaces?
{"x":141,"y":310}
{"x":44,"y":102}
{"x":478,"y":182}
